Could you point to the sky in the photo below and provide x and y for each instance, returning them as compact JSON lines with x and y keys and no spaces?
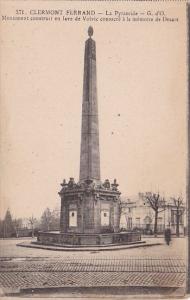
{"x":142,"y":100}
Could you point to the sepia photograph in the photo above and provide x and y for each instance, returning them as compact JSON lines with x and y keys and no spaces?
{"x":94,"y":149}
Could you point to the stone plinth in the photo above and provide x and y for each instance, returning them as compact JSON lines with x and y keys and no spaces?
{"x":78,"y":239}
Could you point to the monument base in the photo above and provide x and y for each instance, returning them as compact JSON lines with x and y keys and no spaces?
{"x":84,"y":239}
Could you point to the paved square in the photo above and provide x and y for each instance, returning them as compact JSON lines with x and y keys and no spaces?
{"x":158,"y":266}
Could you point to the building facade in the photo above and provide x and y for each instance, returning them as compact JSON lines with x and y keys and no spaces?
{"x":137,"y":214}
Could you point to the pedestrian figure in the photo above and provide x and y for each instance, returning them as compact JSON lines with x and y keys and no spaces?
{"x":167,"y":235}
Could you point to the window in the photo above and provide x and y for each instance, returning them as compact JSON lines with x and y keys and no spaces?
{"x":159,"y":220}
{"x":173,"y":217}
{"x":137,"y":222}
{"x":147,"y":220}
{"x":129,"y":223}
{"x":181,"y":218}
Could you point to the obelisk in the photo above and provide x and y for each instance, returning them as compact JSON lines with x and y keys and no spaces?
{"x":90,"y":209}
{"x":90,"y":155}
{"x":89,"y":206}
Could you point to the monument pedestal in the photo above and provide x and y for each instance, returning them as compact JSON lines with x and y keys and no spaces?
{"x":89,"y":208}
{"x":90,"y":215}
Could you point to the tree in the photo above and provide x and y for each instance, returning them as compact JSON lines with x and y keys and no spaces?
{"x":32,"y":221}
{"x":46,"y":219}
{"x":157,"y":203}
{"x":8,"y":226}
{"x":1,"y":228}
{"x":55,"y":224}
{"x":17,"y":224}
{"x":179,"y":210}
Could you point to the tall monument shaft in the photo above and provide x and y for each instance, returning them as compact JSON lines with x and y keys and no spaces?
{"x":90,"y":155}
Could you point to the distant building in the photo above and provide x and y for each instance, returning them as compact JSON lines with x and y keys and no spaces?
{"x":138,"y":215}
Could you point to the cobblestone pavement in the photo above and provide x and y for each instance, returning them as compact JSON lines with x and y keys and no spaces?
{"x":86,"y":279}
{"x":92,"y":272}
{"x":29,"y":269}
{"x":95,"y":265}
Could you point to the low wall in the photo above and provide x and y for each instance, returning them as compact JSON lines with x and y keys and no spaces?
{"x":58,"y":238}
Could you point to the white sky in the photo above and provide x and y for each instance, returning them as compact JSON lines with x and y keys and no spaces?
{"x":141,"y":73}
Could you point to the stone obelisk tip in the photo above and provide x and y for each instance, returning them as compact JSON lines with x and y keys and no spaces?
{"x":90,"y":31}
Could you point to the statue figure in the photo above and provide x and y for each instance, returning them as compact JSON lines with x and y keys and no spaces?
{"x":71,"y":182}
{"x":114,"y":185}
{"x":106,"y":184}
